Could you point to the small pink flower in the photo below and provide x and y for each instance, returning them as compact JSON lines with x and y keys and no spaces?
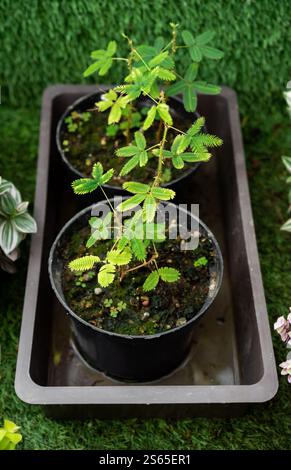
{"x":284,"y":336}
{"x":280,"y":323}
{"x":282,"y":326}
{"x":286,"y":369}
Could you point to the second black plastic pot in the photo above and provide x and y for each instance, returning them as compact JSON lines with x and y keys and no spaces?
{"x":125,"y":357}
{"x":88,"y":102}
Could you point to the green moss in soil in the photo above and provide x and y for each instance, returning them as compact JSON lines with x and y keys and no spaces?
{"x":89,"y":143}
{"x":123,"y":307}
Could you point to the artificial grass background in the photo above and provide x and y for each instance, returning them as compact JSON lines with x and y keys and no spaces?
{"x":265,"y":427}
{"x":31,"y":60}
{"x":49,"y":42}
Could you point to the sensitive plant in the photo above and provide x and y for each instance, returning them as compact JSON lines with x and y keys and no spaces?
{"x":86,"y":138}
{"x":150,"y":69}
{"x":15,"y":223}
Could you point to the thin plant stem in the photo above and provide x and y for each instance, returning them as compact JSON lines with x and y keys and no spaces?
{"x":180,"y":76}
{"x":160,"y":163}
{"x":167,"y":46}
{"x":145,"y":263}
{"x":141,"y":58}
{"x":174,"y":38}
{"x":113,"y":210}
{"x":178,"y":130}
{"x":159,"y":130}
{"x":152,"y":147}
{"x":129,"y":115}
{"x":153,"y":99}
{"x":156,"y":265}
{"x":155,"y":249}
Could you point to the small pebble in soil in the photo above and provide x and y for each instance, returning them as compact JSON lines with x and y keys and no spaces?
{"x":169,"y":261}
{"x":98,"y":291}
{"x":145,"y":301}
{"x":85,"y":277}
{"x":177,"y":305}
{"x":181,"y":321}
{"x":103,"y":141}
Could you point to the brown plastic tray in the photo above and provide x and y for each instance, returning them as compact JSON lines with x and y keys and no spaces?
{"x":231,"y":363}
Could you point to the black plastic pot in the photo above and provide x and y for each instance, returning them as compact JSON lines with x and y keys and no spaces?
{"x":124,"y":357}
{"x":88,"y":102}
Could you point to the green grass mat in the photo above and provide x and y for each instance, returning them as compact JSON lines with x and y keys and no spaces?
{"x":49,"y":42}
{"x":264,"y":427}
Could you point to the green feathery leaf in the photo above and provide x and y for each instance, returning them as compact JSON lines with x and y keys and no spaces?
{"x":197,"y":126}
{"x":103,"y":60}
{"x":140,"y":140}
{"x":107,"y":176}
{"x":136,"y":188}
{"x":149,"y":208}
{"x":151,"y":281}
{"x":84,"y":185}
{"x":97,"y":171}
{"x":84,"y":263}
{"x":163,"y":110}
{"x":163,"y":193}
{"x":118,"y":257}
{"x":150,"y":118}
{"x":128,"y":151}
{"x":164,"y":74}
{"x":169,"y":274}
{"x":138,"y":248}
{"x":106,"y":275}
{"x":131,"y":202}
{"x":130,"y":165}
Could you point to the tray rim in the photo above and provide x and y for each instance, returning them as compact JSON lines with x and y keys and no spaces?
{"x":32,"y":393}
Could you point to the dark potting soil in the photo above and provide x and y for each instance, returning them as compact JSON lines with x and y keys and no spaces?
{"x":123,"y":307}
{"x":89,"y":144}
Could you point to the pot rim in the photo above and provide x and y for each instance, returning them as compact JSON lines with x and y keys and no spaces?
{"x":203,"y":309}
{"x":79,"y":174}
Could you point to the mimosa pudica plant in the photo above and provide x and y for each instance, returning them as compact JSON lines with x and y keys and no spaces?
{"x":151,"y":72}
